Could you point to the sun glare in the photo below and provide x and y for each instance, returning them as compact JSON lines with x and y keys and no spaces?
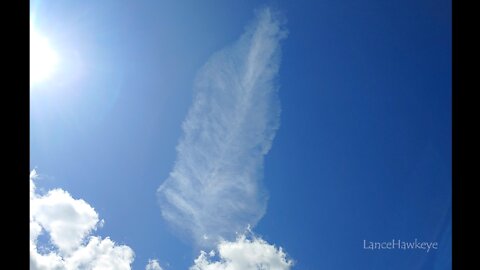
{"x":43,"y":59}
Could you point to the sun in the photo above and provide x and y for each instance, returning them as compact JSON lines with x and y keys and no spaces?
{"x":43,"y":58}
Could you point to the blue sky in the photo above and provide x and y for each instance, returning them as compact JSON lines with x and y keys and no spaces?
{"x":363,"y":148}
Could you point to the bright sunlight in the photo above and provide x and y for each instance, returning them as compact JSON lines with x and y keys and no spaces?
{"x":43,"y":59}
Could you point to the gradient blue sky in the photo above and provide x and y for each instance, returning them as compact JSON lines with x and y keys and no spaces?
{"x":364,"y":145}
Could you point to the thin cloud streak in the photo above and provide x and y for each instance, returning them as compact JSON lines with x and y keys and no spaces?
{"x":214,"y":190}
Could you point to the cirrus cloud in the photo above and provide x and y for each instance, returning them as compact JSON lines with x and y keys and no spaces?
{"x":214,"y":190}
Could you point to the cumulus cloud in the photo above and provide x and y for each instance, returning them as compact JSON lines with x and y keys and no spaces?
{"x":243,"y":254}
{"x":69,"y":223}
{"x":214,"y":189}
{"x":153,"y":265}
{"x":65,"y":219}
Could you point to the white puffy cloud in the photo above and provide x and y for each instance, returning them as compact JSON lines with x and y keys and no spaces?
{"x":153,"y":265}
{"x":101,"y":254}
{"x":214,"y":189}
{"x":243,"y":254}
{"x":65,"y":219}
{"x":69,"y":224}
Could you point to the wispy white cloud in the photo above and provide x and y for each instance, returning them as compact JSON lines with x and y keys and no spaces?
{"x":153,"y":265}
{"x":243,"y":254}
{"x":214,"y":189}
{"x":69,"y":224}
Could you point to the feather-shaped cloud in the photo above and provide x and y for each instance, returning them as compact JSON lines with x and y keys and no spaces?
{"x":214,"y":190}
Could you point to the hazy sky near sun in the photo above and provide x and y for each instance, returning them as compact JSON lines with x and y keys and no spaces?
{"x":344,"y":132}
